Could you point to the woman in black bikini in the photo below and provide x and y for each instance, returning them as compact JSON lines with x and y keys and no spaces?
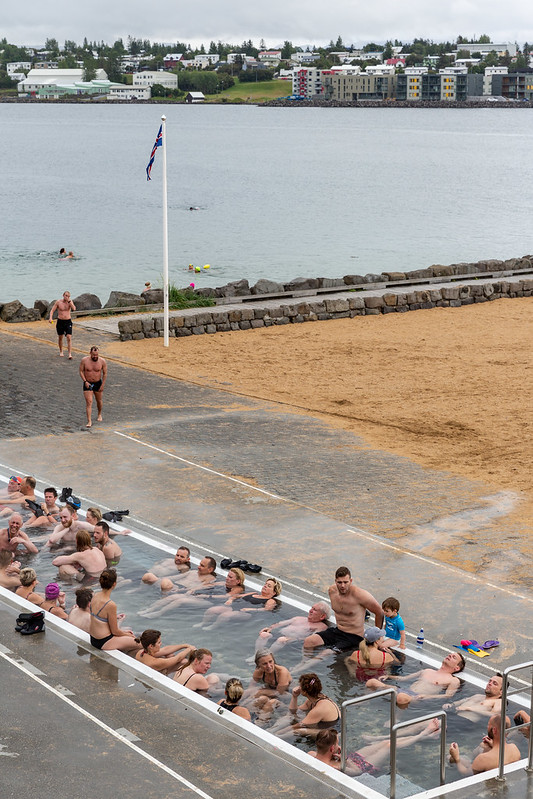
{"x":104,"y":630}
{"x":191,"y":674}
{"x":265,"y":600}
{"x":321,"y":712}
{"x":234,"y":692}
{"x":275,"y":678}
{"x":28,"y":583}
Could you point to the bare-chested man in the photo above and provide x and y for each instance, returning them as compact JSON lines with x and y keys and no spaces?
{"x":14,"y":537}
{"x":180,"y":562}
{"x":87,"y":560}
{"x":295,"y":629}
{"x":26,"y":491}
{"x":486,"y":756}
{"x":93,"y":372}
{"x":201,"y":580}
{"x":9,"y":570}
{"x":475,"y":707}
{"x":349,"y":604}
{"x":64,"y":322}
{"x":111,"y":549}
{"x":68,"y":526}
{"x":50,"y":510}
{"x":428,"y":683}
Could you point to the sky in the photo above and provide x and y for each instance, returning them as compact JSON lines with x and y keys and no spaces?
{"x":303,"y":22}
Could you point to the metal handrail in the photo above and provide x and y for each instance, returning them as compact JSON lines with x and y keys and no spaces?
{"x":503,"y":716}
{"x":401,"y":725}
{"x":357,"y":701}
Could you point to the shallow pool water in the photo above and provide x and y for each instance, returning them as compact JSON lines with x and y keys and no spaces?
{"x":233,"y":644}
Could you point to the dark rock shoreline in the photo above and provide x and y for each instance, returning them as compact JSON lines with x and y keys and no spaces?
{"x":15,"y":311}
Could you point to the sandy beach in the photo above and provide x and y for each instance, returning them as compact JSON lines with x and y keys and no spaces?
{"x":451,"y":389}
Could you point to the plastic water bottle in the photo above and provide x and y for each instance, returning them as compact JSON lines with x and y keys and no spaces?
{"x":420,"y":639}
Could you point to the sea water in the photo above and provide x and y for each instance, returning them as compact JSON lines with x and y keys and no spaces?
{"x":278,"y":192}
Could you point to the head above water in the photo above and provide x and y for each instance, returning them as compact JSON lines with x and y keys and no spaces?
{"x":264,"y":657}
{"x":234,"y":689}
{"x":319,"y":612}
{"x":27,"y":576}
{"x":310,"y":684}
{"x":150,"y":638}
{"x":108,"y":579}
{"x":182,"y":556}
{"x":327,"y":740}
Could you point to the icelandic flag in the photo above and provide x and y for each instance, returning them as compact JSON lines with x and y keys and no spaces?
{"x":158,"y":143}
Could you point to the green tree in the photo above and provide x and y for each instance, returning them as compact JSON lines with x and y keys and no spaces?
{"x":68,"y":62}
{"x":339,"y":44}
{"x":89,"y":69}
{"x":52,"y":47}
{"x":388,"y":52}
{"x":484,"y":39}
{"x":372,"y":47}
{"x":287,"y":50}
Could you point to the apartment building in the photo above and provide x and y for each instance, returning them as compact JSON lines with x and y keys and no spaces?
{"x":307,"y":82}
{"x":167,"y":79}
{"x":514,"y":86}
{"x":363,"y":86}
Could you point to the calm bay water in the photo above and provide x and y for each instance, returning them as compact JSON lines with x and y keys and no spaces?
{"x":281,"y":193}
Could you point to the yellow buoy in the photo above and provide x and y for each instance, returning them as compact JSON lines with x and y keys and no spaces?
{"x":206,"y":266}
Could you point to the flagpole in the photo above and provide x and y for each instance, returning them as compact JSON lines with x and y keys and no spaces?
{"x":165,"y":236}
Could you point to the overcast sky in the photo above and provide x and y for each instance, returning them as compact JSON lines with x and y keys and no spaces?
{"x":300,"y":21}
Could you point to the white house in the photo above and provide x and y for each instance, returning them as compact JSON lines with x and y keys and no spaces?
{"x":18,"y":66}
{"x":167,"y":79}
{"x":304,"y":58}
{"x":119,"y":91}
{"x":37,"y":79}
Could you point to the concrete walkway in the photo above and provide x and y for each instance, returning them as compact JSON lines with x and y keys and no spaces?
{"x":109,"y":324}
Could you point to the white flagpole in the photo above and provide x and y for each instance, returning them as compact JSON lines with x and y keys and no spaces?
{"x":165,"y":236}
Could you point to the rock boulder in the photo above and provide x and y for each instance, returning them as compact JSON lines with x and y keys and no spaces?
{"x":123,"y":299}
{"x":16,"y":312}
{"x":300,"y":283}
{"x":87,"y":302}
{"x":238,"y":288}
{"x":41,"y":306}
{"x":153,"y":297}
{"x":264,"y":286}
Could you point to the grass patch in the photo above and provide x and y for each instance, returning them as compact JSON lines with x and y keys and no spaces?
{"x":186,"y":298}
{"x":253,"y":92}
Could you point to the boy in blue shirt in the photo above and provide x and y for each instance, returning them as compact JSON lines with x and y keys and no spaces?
{"x":394,"y":626}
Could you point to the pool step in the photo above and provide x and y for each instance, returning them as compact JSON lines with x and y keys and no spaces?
{"x":381,"y":784}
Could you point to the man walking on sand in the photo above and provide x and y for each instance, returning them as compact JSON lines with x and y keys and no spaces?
{"x":64,"y":322}
{"x":93,"y":371}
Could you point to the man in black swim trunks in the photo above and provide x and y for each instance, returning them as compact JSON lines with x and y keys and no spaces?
{"x":64,"y":322}
{"x":349,"y":604}
{"x":93,"y":372}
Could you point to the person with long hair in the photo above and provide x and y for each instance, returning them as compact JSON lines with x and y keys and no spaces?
{"x":369,"y":660}
{"x":104,"y":630}
{"x":161,"y":658}
{"x":192,"y":673}
{"x":87,"y":560}
{"x":234,"y":692}
{"x":320,"y":712}
{"x":251,"y":602}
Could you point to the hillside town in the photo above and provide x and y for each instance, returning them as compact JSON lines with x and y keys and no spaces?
{"x":419,"y":71}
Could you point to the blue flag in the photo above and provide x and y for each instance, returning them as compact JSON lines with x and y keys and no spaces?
{"x":158,"y":143}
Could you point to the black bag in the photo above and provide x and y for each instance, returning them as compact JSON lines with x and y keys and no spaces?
{"x":30,"y":623}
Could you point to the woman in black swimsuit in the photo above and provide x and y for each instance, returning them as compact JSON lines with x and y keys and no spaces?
{"x":234,"y":692}
{"x":266,"y":600}
{"x":274,"y":677}
{"x":192,"y":673}
{"x":104,"y":630}
{"x":321,"y":712}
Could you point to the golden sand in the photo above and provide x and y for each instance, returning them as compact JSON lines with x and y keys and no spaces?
{"x":449,"y":388}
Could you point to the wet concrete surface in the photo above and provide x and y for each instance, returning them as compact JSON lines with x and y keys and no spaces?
{"x":326,"y":498}
{"x":53,"y":749}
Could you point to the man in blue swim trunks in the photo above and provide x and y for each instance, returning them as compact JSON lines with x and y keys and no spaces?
{"x":349,"y":604}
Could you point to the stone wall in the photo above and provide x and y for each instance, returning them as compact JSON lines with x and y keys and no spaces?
{"x":195,"y":322}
